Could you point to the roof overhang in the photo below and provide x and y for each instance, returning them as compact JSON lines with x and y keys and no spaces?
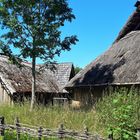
{"x":105,"y":84}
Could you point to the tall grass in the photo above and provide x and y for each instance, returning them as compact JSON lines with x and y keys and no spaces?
{"x":98,"y":121}
{"x":50,"y":117}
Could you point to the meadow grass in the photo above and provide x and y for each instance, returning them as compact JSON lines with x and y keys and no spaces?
{"x":50,"y":117}
{"x":107,"y":114}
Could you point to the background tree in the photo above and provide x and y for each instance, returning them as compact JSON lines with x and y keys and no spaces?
{"x":77,"y":69}
{"x":33,"y":27}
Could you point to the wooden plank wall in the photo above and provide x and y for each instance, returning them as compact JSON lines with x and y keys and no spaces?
{"x":4,"y":97}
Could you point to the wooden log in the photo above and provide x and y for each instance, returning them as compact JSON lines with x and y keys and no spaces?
{"x":2,"y":128}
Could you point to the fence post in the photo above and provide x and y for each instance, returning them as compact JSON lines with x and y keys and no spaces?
{"x":17,"y":128}
{"x":138,"y":134}
{"x":86,"y":134}
{"x":110,"y":136}
{"x":40,"y":133}
{"x":1,"y":128}
{"x":61,"y":131}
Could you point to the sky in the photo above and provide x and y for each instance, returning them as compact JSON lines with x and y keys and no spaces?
{"x":97,"y":24}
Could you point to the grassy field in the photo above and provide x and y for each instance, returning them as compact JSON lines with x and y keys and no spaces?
{"x":119,"y":111}
{"x":50,"y":117}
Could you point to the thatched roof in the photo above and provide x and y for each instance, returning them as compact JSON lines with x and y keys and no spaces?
{"x":19,"y":79}
{"x":133,"y":23}
{"x":120,"y":65}
{"x":137,"y":3}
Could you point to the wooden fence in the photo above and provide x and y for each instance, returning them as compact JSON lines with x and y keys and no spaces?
{"x":40,"y":132}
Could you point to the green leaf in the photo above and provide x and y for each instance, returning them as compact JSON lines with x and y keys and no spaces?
{"x":115,"y":101}
{"x":126,"y":136}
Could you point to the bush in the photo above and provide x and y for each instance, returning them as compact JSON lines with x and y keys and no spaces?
{"x":120,"y":113}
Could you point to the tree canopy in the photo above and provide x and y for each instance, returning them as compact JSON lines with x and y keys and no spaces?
{"x":34,"y":27}
{"x":77,"y":69}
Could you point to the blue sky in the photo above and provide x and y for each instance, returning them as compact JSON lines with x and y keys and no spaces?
{"x":97,"y":24}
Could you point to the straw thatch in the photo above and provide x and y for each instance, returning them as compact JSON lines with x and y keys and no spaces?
{"x":133,"y":24}
{"x":120,"y":65}
{"x":18,"y":80}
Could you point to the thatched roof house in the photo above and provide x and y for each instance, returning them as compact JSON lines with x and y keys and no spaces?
{"x":16,"y":82}
{"x":118,"y":66}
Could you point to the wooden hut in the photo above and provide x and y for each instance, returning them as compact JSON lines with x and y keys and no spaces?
{"x":117,"y":67}
{"x":15,"y":82}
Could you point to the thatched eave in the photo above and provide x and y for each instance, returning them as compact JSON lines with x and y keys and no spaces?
{"x":18,"y":80}
{"x":103,"y":85}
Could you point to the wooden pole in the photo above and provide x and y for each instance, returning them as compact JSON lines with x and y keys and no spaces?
{"x":18,"y":128}
{"x":39,"y":133}
{"x":86,"y":134}
{"x":138,"y":134}
{"x":61,"y":131}
{"x":110,"y":136}
{"x":1,"y":128}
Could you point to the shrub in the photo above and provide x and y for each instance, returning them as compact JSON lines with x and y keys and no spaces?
{"x":120,"y":113}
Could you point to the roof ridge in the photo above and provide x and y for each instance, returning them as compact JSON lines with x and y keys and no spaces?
{"x":132,"y":33}
{"x":132,"y":24}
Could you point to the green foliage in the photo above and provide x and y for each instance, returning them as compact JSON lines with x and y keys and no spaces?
{"x":11,"y":135}
{"x":34,"y":27}
{"x":77,"y":69}
{"x":119,"y":112}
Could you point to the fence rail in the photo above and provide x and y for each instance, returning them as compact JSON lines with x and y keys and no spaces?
{"x":40,"y":132}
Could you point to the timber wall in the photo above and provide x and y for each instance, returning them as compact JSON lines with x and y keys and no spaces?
{"x":4,"y":97}
{"x":89,"y":95}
